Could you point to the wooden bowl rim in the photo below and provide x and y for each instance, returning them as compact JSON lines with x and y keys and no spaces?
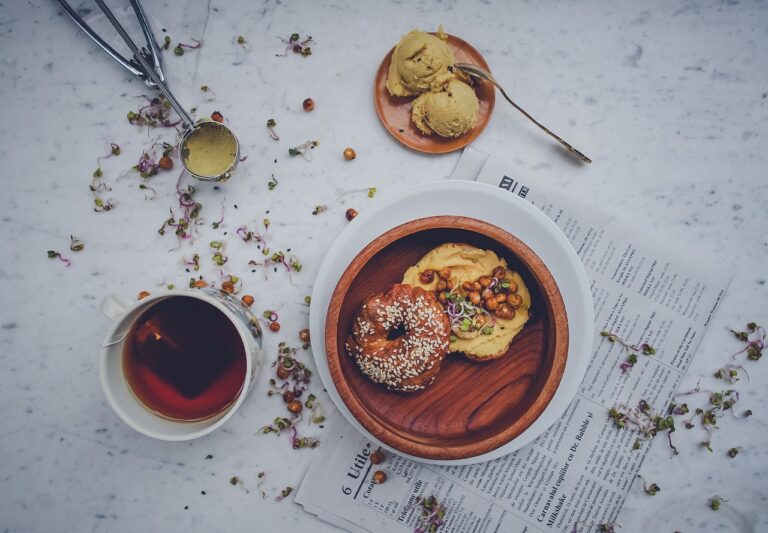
{"x":548,"y":288}
{"x":433,"y":144}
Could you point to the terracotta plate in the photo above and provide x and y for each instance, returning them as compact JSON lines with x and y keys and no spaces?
{"x":472,"y":408}
{"x":395,"y":112}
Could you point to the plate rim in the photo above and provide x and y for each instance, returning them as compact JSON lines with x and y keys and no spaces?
{"x":577,"y":298}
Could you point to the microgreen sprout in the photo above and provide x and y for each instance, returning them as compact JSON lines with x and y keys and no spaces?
{"x":632,"y":350}
{"x":754,"y":337}
{"x":643,"y":420}
{"x":320,"y":209}
{"x":272,"y":183}
{"x":431,"y":515}
{"x":715,"y":501}
{"x":271,"y":127}
{"x":179,"y":49}
{"x":194,"y":263}
{"x":208,"y":93}
{"x":198,"y":283}
{"x":304,"y":150}
{"x":155,"y":113}
{"x":52,"y":254}
{"x":144,"y":187}
{"x":307,"y":300}
{"x":730,"y":373}
{"x":230,"y":284}
{"x":372,"y":192}
{"x":651,"y":489}
{"x":733,"y":452}
{"x":296,"y":45}
{"x":75,"y":244}
{"x":166,"y":42}
{"x":719,"y":401}
{"x":284,"y":494}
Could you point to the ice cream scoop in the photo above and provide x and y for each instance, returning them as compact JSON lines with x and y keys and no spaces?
{"x":449,"y":112}
{"x":417,"y":61}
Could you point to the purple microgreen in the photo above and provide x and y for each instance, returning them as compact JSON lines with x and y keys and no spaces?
{"x":643,"y":420}
{"x":431,"y":515}
{"x":297,"y":45}
{"x":632,"y":350}
{"x":52,"y":254}
{"x":179,"y":49}
{"x":194,"y":263}
{"x":155,"y":113}
{"x":304,"y":150}
{"x":101,"y":206}
{"x":754,"y":337}
{"x":75,"y":244}
{"x":271,"y":127}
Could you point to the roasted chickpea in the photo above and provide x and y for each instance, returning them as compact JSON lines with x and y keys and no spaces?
{"x":288,"y":396}
{"x":449,"y":285}
{"x":247,"y":300}
{"x":474,"y":298}
{"x":282,"y":372}
{"x":428,"y":276}
{"x":466,"y":286}
{"x":351,"y":213}
{"x":295,"y":407}
{"x":505,"y":312}
{"x":512,"y":285}
{"x":377,"y":457}
{"x":501,"y":298}
{"x":480,"y":321}
{"x":143,"y":294}
{"x":491,"y":304}
{"x":441,"y":286}
{"x":379,"y":477}
{"x":274,"y":326}
{"x":349,"y":154}
{"x":444,"y":273}
{"x":514,"y":300}
{"x":500,"y":272}
{"x":442,"y":298}
{"x":304,"y":335}
{"x":476,"y":286}
{"x":487,"y":293}
{"x":485,"y":280}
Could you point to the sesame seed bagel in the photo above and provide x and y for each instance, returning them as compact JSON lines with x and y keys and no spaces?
{"x":408,"y":362}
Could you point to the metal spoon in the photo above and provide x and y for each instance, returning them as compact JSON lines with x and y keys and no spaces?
{"x":481,"y":73}
{"x":152,"y":75}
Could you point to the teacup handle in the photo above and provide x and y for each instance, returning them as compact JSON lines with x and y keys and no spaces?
{"x":114,"y":306}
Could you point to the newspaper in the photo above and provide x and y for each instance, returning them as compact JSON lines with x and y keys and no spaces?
{"x":577,"y":474}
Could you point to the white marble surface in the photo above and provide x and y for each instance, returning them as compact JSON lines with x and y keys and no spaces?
{"x":670,"y":99}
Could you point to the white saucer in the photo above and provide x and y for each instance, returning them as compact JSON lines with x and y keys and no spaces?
{"x":492,"y":205}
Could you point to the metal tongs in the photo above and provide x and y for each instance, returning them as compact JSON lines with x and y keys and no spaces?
{"x":147,"y":66}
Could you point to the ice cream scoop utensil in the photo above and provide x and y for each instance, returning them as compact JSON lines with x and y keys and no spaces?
{"x":483,"y":74}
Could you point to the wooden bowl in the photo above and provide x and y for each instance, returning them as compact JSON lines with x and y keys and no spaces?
{"x":472,"y":408}
{"x":395,"y":111}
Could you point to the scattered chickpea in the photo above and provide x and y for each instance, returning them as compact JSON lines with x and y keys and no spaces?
{"x":228,"y":286}
{"x":377,"y":457}
{"x":505,"y":312}
{"x":449,"y":285}
{"x":304,"y":335}
{"x":201,"y":283}
{"x":274,"y":326}
{"x":288,"y":396}
{"x":501,"y":298}
{"x":441,"y":286}
{"x":491,"y":304}
{"x":295,"y":407}
{"x":247,"y":300}
{"x":349,"y":154}
{"x":487,"y":293}
{"x":474,"y":298}
{"x":308,"y":105}
{"x":444,"y":273}
{"x":476,"y":286}
{"x":427,"y":277}
{"x":499,"y":272}
{"x":467,"y":286}
{"x":165,"y":162}
{"x":379,"y":477}
{"x":351,"y":213}
{"x":217,"y":116}
{"x":142,"y":295}
{"x":514,"y":300}
{"x":282,"y":372}
{"x":512,"y":286}
{"x":485,"y":281}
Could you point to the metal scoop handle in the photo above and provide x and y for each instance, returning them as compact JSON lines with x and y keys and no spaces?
{"x":188,"y":122}
{"x":477,"y":72}
{"x":132,"y":66}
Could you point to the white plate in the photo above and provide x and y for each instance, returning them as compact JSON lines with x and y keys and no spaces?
{"x":489,"y":204}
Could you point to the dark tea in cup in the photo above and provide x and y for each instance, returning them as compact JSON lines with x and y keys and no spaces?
{"x":184,"y":359}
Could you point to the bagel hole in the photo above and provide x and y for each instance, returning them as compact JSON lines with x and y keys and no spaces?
{"x":396,"y":332}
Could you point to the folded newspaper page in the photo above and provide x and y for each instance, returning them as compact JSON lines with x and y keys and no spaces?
{"x":577,"y":474}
